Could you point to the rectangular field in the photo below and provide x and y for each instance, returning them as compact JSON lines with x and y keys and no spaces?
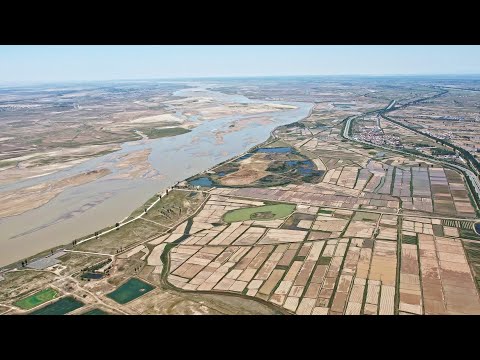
{"x":36,"y":299}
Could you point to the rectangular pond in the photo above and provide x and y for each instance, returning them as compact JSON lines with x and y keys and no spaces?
{"x":130,"y":290}
{"x":60,"y":307}
{"x":96,"y":312}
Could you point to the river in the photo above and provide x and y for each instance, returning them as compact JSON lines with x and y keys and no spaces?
{"x":81,"y":210}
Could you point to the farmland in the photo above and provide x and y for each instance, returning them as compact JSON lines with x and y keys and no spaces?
{"x":345,"y":212}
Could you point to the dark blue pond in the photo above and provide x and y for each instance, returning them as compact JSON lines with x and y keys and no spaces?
{"x":246,"y":156}
{"x":295,"y":163}
{"x":94,"y":276}
{"x":305,"y":167}
{"x":477,"y":228}
{"x":275,"y":150}
{"x":203,"y":182}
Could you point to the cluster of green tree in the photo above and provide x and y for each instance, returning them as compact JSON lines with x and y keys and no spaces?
{"x":440,"y":151}
{"x":473,"y":194}
{"x":413,"y":152}
{"x":414,"y":102}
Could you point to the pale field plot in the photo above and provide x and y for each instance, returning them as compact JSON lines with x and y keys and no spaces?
{"x":401,"y":184}
{"x":329,"y":224}
{"x":460,"y":292}
{"x":250,"y":236}
{"x":360,"y":229}
{"x":362,"y":179}
{"x":387,"y":229}
{"x":387,"y":298}
{"x":410,"y":291}
{"x":348,"y":177}
{"x":356,"y":297}
{"x":386,"y":183}
{"x":384,"y":262}
{"x":372,"y":299}
{"x":275,"y":236}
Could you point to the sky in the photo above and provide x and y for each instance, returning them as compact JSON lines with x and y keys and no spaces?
{"x":40,"y":63}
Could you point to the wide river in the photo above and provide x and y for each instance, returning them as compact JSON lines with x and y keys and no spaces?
{"x":83,"y":209}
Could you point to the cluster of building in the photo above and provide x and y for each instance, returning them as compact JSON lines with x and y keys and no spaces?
{"x":376,"y":136}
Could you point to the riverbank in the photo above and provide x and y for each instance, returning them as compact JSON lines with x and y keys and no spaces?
{"x":85,"y":209}
{"x":152,"y":200}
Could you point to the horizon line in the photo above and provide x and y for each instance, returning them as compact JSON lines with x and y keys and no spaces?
{"x":35,"y":82}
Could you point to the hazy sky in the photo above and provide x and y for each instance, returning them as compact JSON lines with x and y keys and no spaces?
{"x":100,"y":62}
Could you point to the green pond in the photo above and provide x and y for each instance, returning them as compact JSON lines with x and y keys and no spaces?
{"x":130,"y":290}
{"x":60,"y":307}
{"x":96,"y":312}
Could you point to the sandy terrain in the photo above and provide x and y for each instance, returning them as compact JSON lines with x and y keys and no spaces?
{"x":251,"y":170}
{"x":212,"y":112}
{"x":20,"y":201}
{"x":157,"y":118}
{"x":30,"y":166}
{"x":134,"y":165}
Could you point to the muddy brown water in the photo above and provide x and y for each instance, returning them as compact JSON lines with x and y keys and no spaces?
{"x":84,"y":209}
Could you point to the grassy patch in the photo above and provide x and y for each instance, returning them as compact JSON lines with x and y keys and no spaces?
{"x":6,"y":163}
{"x":130,"y":290}
{"x":324,"y":260}
{"x":325,"y":211}
{"x":156,"y":133}
{"x":60,"y":307}
{"x":36,"y":299}
{"x":134,"y":232}
{"x":473,"y":254}
{"x":175,"y":206}
{"x":268,"y":212}
{"x":469,"y":234}
{"x":364,"y":216}
{"x":437,"y":230}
